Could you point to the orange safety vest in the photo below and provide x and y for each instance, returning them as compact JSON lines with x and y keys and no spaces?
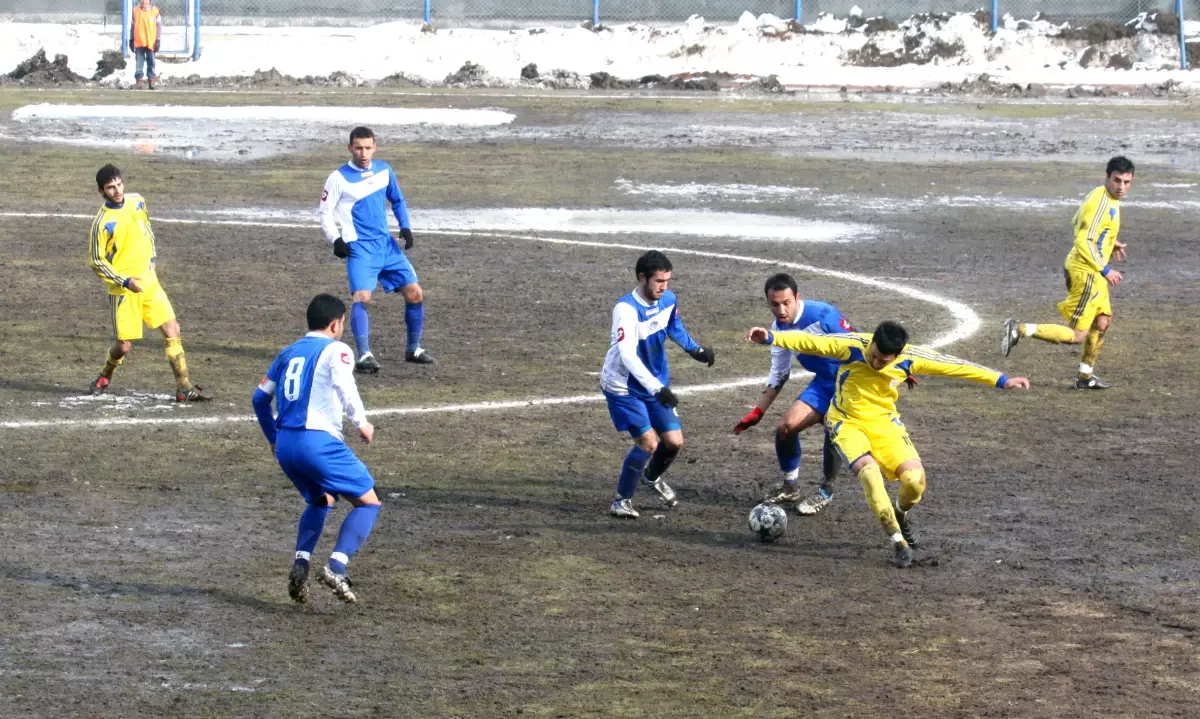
{"x":145,"y":26}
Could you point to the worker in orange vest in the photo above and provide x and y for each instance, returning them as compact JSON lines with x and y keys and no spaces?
{"x":144,"y":36}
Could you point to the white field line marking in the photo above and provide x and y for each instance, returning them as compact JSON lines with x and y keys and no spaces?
{"x":966,"y":324}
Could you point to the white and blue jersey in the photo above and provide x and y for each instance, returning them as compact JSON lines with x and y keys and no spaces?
{"x":819,"y":318}
{"x":635,"y":367}
{"x":354,"y":207}
{"x":312,"y":384}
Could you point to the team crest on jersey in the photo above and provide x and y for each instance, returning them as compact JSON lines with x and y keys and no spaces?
{"x":1112,"y":213}
{"x":345,"y":358}
{"x":620,"y":334}
{"x":324,"y":195}
{"x":845,"y":325}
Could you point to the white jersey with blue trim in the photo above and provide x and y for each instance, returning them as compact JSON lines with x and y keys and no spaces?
{"x":356,"y":200}
{"x":636,"y":362}
{"x":312,"y":381}
{"x":818,"y":318}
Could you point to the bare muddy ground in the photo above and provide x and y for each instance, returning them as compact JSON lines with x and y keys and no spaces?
{"x":144,"y":566}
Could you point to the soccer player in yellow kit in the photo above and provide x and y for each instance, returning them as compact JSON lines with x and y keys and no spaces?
{"x":1087,"y":309}
{"x":122,"y":254}
{"x":862,"y":419}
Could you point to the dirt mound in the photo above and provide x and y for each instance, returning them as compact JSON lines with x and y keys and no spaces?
{"x":273,"y":78}
{"x":37,"y":70}
{"x":984,"y":85}
{"x":1098,"y":32}
{"x":469,"y":75}
{"x":916,"y":52}
{"x":110,"y":61}
{"x":400,"y":80}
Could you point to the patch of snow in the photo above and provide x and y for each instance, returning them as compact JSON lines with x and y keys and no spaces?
{"x":1022,"y":52}
{"x":269,"y":113}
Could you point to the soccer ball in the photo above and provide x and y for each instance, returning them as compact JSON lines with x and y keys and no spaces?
{"x":768,"y":521}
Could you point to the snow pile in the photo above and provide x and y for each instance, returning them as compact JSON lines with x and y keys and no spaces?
{"x":925,"y":51}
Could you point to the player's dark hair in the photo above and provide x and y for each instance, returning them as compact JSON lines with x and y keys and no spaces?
{"x":890,"y":338}
{"x":651,"y":262}
{"x":107,"y":174}
{"x":781,"y":282}
{"x":323,"y":310}
{"x":1120,"y":164}
{"x":361,"y":133}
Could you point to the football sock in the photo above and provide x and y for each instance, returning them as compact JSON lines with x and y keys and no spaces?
{"x":631,"y":469}
{"x":1056,"y":334}
{"x":912,"y":487}
{"x":178,"y":362}
{"x":360,"y":327}
{"x":1091,"y":350}
{"x":787,"y":450}
{"x":111,"y":364}
{"x":312,"y":523}
{"x":414,"y":322}
{"x":356,"y":527}
{"x":660,"y":461}
{"x":877,"y":498}
{"x":831,"y":462}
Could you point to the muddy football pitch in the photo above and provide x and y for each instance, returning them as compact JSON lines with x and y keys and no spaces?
{"x":146,"y":545}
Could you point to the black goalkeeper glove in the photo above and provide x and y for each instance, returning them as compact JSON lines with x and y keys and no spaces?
{"x":666,"y":398}
{"x":705,"y":355}
{"x":408,"y":238}
{"x":340,"y":249}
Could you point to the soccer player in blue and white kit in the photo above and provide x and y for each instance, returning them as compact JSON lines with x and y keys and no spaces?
{"x":312,"y":383}
{"x":793,"y":313}
{"x":356,"y":197}
{"x":636,"y":380}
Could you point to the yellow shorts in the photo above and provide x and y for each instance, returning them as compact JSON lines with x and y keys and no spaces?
{"x":130,"y":310}
{"x":1087,"y":296}
{"x":885,"y":439}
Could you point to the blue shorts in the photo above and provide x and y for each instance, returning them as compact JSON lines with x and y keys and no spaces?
{"x":818,"y":395}
{"x":378,"y":263}
{"x":638,"y":416}
{"x":317,"y":462}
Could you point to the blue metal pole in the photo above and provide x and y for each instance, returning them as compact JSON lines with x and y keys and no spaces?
{"x":196,"y":33}
{"x":125,"y":28}
{"x":996,"y":15}
{"x":428,"y":10}
{"x":1183,"y":63}
{"x":595,"y":14}
{"x":799,"y":12}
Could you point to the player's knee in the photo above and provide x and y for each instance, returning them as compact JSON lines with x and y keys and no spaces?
{"x":124,"y":347}
{"x":413,"y":294}
{"x":1103,"y":322}
{"x":912,"y":487}
{"x":363,"y":296}
{"x":648,"y":442}
{"x":1080,"y":336}
{"x":673,"y":444}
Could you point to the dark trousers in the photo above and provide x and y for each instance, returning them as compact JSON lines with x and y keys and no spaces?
{"x":145,"y":58}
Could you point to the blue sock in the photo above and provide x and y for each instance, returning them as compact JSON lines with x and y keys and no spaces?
{"x":356,"y":527}
{"x":414,"y":322}
{"x":360,"y":327}
{"x":787,"y":450}
{"x":312,"y":523}
{"x":631,"y":471}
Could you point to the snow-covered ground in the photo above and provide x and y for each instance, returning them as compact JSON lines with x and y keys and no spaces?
{"x":951,"y":49}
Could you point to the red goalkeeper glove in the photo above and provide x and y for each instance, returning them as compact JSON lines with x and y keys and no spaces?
{"x":751,"y":419}
{"x":911,"y":381}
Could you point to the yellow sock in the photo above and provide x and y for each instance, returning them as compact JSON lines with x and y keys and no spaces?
{"x":912,"y":488}
{"x":877,"y":498}
{"x":111,"y":364}
{"x":178,"y":362}
{"x":1091,"y":350}
{"x":1057,"y":334}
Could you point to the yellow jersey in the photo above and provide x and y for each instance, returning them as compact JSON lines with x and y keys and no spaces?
{"x":1096,"y":224}
{"x":864,"y":393}
{"x":122,"y":245}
